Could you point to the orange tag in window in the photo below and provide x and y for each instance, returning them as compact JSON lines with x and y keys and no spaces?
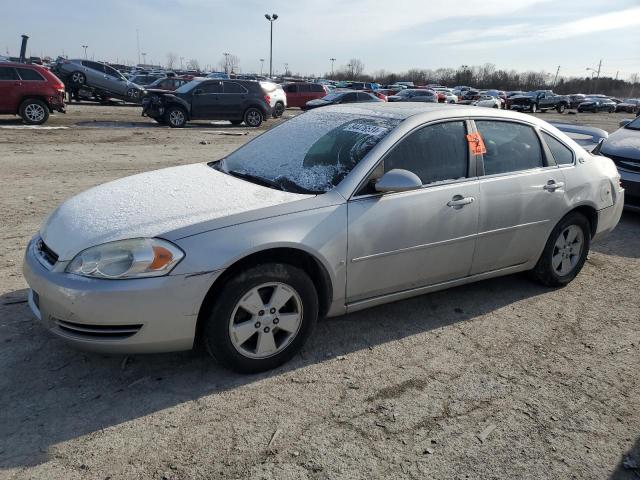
{"x":476,"y":144}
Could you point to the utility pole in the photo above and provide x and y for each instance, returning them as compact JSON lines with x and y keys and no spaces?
{"x":555,"y":80}
{"x":181,"y":58}
{"x":286,"y":68}
{"x":226,"y":62}
{"x":598,"y":75}
{"x":144,"y":58}
{"x":261,"y":65}
{"x":138,"y":43}
{"x":332,"y":60}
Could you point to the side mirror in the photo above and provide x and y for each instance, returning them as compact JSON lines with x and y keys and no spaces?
{"x":624,"y":123}
{"x":398,"y":180}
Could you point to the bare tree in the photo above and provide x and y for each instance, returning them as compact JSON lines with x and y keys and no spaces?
{"x":356,"y":68}
{"x":193,"y":64}
{"x":172,"y":58}
{"x":230,"y":63}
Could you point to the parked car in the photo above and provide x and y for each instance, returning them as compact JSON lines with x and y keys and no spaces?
{"x":244,"y":254}
{"x":446,"y":95}
{"x":209,"y":99}
{"x":575,"y":100}
{"x":99,"y":76}
{"x":597,"y":104}
{"x":298,"y":94}
{"x":488,"y":101}
{"x":168,"y":84}
{"x":30,"y":91}
{"x":219,"y":75}
{"x":630,"y":105}
{"x":623,"y":147}
{"x":340,"y":97}
{"x":540,"y":100}
{"x":277,"y":97}
{"x":360,"y":85}
{"x":414,"y":95}
{"x":146,"y":79}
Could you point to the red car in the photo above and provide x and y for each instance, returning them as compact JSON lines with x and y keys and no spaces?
{"x":299,"y":93}
{"x":30,"y":91}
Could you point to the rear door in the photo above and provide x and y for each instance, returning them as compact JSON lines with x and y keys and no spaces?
{"x":115,"y":81}
{"x":10,"y":85}
{"x":232,"y":99}
{"x":205,"y":100}
{"x":522,"y":193}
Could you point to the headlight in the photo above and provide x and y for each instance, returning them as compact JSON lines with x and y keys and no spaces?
{"x":135,"y":258}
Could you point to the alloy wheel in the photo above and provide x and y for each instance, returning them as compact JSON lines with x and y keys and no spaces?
{"x":254,"y":118}
{"x":265,"y":320}
{"x":34,"y":112}
{"x":567,"y":250}
{"x":176,"y":117}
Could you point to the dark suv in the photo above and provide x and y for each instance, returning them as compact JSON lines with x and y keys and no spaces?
{"x":30,"y":91}
{"x":209,"y":99}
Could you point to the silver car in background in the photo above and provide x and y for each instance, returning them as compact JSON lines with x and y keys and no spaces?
{"x":99,"y":76}
{"x":366,"y":204}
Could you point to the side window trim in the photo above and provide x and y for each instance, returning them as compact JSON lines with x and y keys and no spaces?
{"x":546,"y":156}
{"x":573,"y":154}
{"x":471,"y":163}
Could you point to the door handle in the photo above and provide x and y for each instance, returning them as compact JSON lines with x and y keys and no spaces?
{"x":552,"y":186}
{"x":459,"y":201}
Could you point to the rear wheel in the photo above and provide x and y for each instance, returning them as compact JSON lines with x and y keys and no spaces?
{"x":133,"y":94}
{"x":261,"y":317}
{"x":278,"y":109}
{"x":565,"y":252}
{"x":78,"y":78}
{"x":34,"y":111}
{"x":561,"y":108}
{"x":176,"y":117}
{"x":253,"y":117}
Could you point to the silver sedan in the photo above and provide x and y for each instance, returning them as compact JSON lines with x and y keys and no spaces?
{"x":331,"y":212}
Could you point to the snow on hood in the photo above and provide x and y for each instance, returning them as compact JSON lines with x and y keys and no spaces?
{"x":150,"y":204}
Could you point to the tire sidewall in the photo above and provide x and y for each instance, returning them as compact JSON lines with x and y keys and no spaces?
{"x":246,"y":116}
{"x":544,"y":270}
{"x":216,"y":329}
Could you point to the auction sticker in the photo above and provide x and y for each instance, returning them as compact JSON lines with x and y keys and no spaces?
{"x":476,"y":144}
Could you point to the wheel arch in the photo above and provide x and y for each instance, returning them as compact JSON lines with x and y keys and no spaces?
{"x":27,"y":97}
{"x":590,"y":213}
{"x":297,"y":257}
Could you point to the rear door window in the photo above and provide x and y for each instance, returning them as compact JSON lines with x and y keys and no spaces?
{"x":364,"y":97}
{"x":304,"y":88}
{"x":8,"y":73}
{"x":511,"y":147}
{"x":435,"y":153}
{"x":562,"y":154}
{"x":211,"y":87}
{"x":233,"y":87}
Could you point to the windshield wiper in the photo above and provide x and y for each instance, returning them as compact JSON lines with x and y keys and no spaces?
{"x":256,"y":179}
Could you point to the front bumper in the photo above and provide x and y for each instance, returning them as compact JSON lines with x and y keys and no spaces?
{"x":117,"y":316}
{"x":631,"y":183}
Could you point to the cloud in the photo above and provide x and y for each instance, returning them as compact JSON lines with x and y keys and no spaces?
{"x":528,"y":32}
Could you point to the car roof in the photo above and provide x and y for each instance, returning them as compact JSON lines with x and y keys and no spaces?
{"x":18,"y":64}
{"x":434,"y":111}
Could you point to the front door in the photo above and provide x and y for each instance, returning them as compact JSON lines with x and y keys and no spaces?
{"x":205,"y":100}
{"x":399,"y":241}
{"x":522,"y":196}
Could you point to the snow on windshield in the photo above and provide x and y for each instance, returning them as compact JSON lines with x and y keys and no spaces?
{"x":313,"y":151}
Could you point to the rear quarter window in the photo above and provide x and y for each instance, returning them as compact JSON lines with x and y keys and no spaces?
{"x":29,"y":74}
{"x":562,"y":154}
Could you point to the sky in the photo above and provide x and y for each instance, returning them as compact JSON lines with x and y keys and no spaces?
{"x":394,"y":36}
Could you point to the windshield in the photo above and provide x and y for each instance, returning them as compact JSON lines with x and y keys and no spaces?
{"x":187,"y":86}
{"x":634,"y":125}
{"x":321,"y":149}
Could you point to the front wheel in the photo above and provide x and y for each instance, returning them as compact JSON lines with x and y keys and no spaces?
{"x":561,"y":108}
{"x":261,"y":317}
{"x":34,"y":112}
{"x":253,"y":117}
{"x":176,"y":117}
{"x":133,"y":95}
{"x":565,"y":252}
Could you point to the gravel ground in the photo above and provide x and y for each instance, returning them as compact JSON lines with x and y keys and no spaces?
{"x":502,"y":379}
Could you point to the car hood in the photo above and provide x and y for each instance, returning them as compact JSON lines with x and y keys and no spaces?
{"x":151,"y":204}
{"x":624,"y":142}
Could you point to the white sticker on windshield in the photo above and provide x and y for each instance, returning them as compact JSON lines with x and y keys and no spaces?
{"x":366,"y":129}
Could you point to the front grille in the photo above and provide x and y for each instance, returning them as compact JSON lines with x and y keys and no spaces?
{"x":98,"y":331}
{"x":45,"y":253}
{"x":625,"y":163}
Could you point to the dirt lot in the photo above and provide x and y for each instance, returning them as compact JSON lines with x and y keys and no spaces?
{"x":502,"y":379}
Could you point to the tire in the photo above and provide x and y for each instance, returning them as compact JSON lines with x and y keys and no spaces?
{"x":278,"y":110}
{"x":561,"y":108}
{"x":235,"y":122}
{"x":78,"y":78}
{"x":561,"y":248}
{"x":176,"y":117}
{"x":34,"y":111}
{"x":612,"y":110}
{"x":253,"y":117}
{"x":533,"y":108}
{"x":255,"y":288}
{"x":133,"y":94}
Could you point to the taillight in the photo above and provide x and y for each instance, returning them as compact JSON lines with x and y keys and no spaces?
{"x":268,"y":99}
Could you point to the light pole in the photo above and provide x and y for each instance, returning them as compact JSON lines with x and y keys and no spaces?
{"x":272,"y":18}
{"x":332,"y":60}
{"x":85,"y":50}
{"x":261,"y":65}
{"x":226,"y":62}
{"x":597,"y":73}
{"x":286,"y":68}
{"x":144,"y":58}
